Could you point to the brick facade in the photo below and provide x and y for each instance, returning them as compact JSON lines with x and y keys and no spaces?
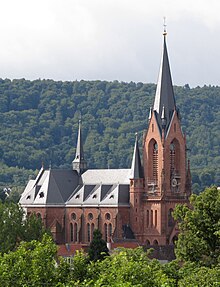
{"x":158,"y":184}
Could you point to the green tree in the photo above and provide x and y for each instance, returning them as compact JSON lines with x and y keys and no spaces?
{"x":15,"y":227}
{"x":128,"y":267}
{"x":98,"y":249}
{"x":191,"y":275}
{"x":33,"y":264}
{"x":199,"y":238}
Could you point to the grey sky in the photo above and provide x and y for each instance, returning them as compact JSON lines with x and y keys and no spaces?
{"x":110,"y":40}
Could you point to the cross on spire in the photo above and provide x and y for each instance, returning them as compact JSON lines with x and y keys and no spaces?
{"x":164,"y":26}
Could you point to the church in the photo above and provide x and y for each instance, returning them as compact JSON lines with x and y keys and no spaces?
{"x":124,"y":204}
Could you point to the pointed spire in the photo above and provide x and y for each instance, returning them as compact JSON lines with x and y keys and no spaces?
{"x":136,"y":167}
{"x":164,"y":94}
{"x":79,"y":164}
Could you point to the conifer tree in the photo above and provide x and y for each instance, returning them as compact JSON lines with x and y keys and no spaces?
{"x":98,"y":249}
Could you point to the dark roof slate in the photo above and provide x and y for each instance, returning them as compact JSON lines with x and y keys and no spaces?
{"x":164,"y":101}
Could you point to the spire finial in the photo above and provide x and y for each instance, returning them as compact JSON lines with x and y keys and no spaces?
{"x":164,"y":26}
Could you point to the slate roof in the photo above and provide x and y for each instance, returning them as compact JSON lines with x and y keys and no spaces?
{"x":136,"y":167}
{"x":106,"y":187}
{"x":51,"y":187}
{"x":102,"y":187}
{"x":164,"y":97}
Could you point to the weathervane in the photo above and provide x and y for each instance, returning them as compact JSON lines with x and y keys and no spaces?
{"x":164,"y":26}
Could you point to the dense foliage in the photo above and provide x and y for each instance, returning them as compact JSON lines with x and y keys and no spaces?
{"x":39,"y":121}
{"x":16,"y":228}
{"x":35,"y":262}
{"x":199,"y":238}
{"x":98,"y":248}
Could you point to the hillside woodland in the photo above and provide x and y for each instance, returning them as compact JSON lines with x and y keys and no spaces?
{"x":39,"y":123}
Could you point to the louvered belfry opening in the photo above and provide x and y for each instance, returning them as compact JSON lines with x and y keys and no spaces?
{"x":155,"y":163}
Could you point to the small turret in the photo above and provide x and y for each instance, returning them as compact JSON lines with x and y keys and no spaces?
{"x":79,"y":164}
{"x":136,"y":167}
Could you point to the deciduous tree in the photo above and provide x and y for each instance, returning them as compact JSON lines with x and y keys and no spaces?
{"x":199,"y":238}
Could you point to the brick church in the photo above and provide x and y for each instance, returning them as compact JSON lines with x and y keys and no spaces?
{"x":125,"y":204}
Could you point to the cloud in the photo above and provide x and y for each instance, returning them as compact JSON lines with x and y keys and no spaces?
{"x":109,"y":39}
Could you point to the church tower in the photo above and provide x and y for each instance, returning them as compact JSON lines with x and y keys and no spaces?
{"x":166,"y":174}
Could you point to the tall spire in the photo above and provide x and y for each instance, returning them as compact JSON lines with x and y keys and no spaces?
{"x":79,"y":163}
{"x":164,"y":94}
{"x":136,"y":167}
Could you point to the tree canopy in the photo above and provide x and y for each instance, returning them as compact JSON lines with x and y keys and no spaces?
{"x":39,"y":122}
{"x":199,"y":238}
{"x":16,"y":228}
{"x":98,"y":249}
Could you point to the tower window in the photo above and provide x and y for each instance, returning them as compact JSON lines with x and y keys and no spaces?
{"x":155,"y":162}
{"x":174,"y":127}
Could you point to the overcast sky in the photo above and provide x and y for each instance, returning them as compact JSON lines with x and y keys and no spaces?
{"x":110,"y":40}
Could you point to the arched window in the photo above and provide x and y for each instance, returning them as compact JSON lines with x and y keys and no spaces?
{"x":88,"y":232}
{"x":155,"y":218}
{"x":92,"y":230}
{"x":153,"y":169}
{"x":147,"y":242}
{"x":71,"y":232}
{"x":75,"y":232}
{"x":110,"y":230}
{"x":90,"y":216}
{"x":151,"y":218}
{"x":106,"y":231}
{"x":155,"y":162}
{"x":73,"y":216}
{"x":170,"y":218}
{"x":107,"y":216}
{"x":155,"y":242}
{"x":148,"y":218}
{"x":174,"y":157}
{"x":39,"y":215}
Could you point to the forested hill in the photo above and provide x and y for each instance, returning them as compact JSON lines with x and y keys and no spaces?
{"x":39,"y":122}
